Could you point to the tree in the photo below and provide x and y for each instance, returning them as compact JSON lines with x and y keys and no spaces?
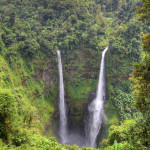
{"x":141,"y":77}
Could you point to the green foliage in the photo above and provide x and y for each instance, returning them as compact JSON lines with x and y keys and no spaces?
{"x":15,"y":113}
{"x":124,"y":104}
{"x":30,"y":34}
{"x":128,"y":135}
{"x":73,"y":147}
{"x":122,"y":146}
{"x":125,"y":49}
{"x":144,"y":11}
{"x":22,"y":103}
{"x":120,"y":133}
{"x":141,"y":80}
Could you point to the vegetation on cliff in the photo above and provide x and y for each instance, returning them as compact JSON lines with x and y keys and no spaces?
{"x":30,"y":34}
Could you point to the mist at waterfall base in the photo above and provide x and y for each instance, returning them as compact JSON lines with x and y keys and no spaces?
{"x":95,"y":112}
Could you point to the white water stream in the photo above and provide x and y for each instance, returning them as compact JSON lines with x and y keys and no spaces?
{"x":96,"y":108}
{"x":63,"y":130}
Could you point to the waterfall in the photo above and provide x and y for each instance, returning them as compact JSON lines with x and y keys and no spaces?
{"x":62,"y":106}
{"x":96,"y":108}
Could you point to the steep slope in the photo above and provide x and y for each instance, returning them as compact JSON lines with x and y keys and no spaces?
{"x":30,"y":34}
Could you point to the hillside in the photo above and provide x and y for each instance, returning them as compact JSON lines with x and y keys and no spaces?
{"x":31,"y":32}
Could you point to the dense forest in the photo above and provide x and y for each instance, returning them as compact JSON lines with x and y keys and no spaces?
{"x":31,"y":32}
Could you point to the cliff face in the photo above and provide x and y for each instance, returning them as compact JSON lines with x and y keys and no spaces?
{"x":81,"y":70}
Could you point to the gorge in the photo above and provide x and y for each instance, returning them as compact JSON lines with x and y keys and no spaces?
{"x":95,"y":109}
{"x":48,"y":97}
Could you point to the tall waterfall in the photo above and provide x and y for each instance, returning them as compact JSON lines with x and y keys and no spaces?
{"x":62,"y":106}
{"x":96,"y":109}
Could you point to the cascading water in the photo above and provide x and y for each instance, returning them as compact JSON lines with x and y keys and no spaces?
{"x":63,"y":132}
{"x":96,"y":109}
